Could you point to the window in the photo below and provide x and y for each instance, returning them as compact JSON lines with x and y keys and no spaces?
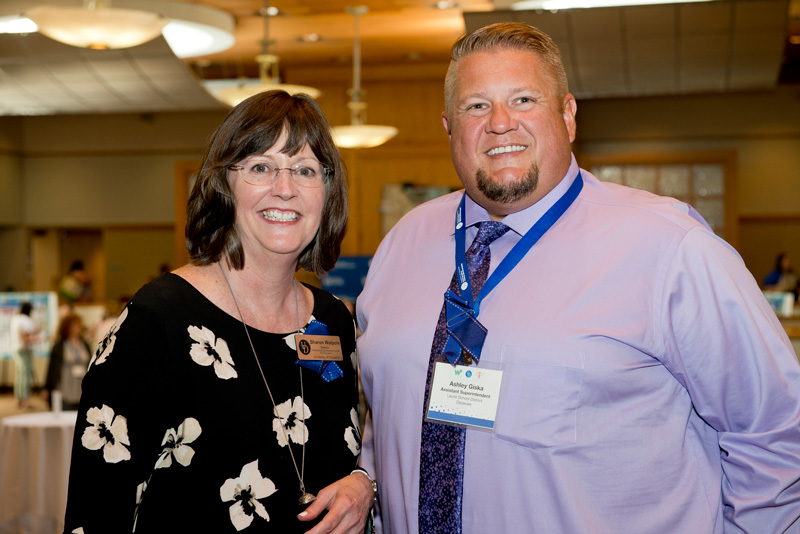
{"x":700,"y":181}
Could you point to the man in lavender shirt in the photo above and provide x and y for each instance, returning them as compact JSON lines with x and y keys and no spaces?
{"x":647,"y":386}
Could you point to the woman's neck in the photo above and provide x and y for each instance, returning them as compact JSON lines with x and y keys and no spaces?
{"x":264,"y":298}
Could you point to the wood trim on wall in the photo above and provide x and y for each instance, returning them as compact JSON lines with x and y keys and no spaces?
{"x":184,"y":170}
{"x":769,"y":218}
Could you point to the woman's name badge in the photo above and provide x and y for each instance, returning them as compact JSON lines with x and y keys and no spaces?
{"x":465,"y":396}
{"x":318,"y":348}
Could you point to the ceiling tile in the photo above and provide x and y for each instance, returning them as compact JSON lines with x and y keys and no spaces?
{"x":648,"y":22}
{"x":704,"y":18}
{"x":767,"y":15}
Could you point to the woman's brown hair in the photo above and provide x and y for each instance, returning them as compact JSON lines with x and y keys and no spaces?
{"x":252,"y":128}
{"x":66,"y":325}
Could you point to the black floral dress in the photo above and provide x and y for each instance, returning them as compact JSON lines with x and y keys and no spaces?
{"x":177,"y":433}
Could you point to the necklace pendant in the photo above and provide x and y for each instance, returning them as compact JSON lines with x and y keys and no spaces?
{"x":307,"y":498}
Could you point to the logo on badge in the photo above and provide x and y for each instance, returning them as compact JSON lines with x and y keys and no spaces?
{"x":468,"y":374}
{"x":305,"y":347}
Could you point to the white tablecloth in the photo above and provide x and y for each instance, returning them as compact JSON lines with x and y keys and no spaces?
{"x":35,"y":452}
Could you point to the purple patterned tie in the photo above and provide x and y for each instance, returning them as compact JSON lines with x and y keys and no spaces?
{"x":441,"y":476}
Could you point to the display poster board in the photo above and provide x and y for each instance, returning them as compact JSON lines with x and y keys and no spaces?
{"x":781,"y":301}
{"x":346,"y":280}
{"x":44,"y":315}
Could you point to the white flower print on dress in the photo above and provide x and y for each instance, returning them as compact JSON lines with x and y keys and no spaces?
{"x":353,"y":355}
{"x":108,"y":432}
{"x":352,"y":434}
{"x":175,"y":444}
{"x":208,"y":349}
{"x":289,"y":339}
{"x":290,"y":415}
{"x":105,"y":347}
{"x":246,"y":490}
{"x":140,"y":489}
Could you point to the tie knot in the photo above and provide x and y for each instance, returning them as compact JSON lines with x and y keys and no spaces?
{"x":488,"y":231}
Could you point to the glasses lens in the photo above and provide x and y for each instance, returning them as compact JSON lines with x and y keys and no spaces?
{"x":309,"y":173}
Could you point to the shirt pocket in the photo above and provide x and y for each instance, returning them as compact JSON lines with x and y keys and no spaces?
{"x":539,"y":398}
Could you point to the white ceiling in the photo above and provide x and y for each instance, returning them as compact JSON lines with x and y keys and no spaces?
{"x":726,"y":45}
{"x":41,"y":76}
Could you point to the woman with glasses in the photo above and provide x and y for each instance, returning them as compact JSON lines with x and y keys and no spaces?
{"x":224,"y":398}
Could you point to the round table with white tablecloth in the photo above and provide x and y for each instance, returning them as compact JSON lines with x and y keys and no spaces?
{"x":35,"y":452}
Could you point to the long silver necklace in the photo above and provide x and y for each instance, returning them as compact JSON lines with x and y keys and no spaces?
{"x":305,"y":497}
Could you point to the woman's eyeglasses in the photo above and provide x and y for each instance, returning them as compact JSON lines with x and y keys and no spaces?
{"x":305,"y":174}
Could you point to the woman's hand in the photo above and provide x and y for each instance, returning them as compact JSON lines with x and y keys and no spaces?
{"x":348,"y":502}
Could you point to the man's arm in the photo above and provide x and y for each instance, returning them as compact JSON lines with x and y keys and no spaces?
{"x":726,"y":346}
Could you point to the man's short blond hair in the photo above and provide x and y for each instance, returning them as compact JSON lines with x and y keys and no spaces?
{"x":509,"y":35}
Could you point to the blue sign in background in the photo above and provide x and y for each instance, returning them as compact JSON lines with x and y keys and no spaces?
{"x":346,"y":280}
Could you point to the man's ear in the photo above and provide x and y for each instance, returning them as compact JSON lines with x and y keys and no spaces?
{"x":570,"y":110}
{"x":444,"y":123}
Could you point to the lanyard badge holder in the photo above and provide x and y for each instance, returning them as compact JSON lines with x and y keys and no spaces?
{"x":461,"y":394}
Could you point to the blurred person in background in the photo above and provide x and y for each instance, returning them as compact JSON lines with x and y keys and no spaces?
{"x":23,"y":331}
{"x":69,"y":359}
{"x":75,"y":286}
{"x":782,"y":277}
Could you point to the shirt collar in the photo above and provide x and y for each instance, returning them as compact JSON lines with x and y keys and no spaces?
{"x":523,"y":220}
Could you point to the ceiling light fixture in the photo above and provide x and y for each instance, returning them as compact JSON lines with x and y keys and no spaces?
{"x":554,"y":5}
{"x":232,"y":92}
{"x":357,"y":134}
{"x":190,"y":29}
{"x":97,"y":25}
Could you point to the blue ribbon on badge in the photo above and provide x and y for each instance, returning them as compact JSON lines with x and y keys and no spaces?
{"x":328,"y":370}
{"x":464,"y":331}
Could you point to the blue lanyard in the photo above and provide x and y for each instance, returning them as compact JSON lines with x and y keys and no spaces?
{"x":516,"y":254}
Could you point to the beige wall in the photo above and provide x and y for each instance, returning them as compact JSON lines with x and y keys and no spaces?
{"x":118,"y":170}
{"x":96,"y":190}
{"x":11,"y":212}
{"x":13,"y":258}
{"x":11,"y":134}
{"x":134,"y":256}
{"x":13,"y":238}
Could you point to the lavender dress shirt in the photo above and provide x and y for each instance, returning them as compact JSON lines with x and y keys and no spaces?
{"x":648,"y":387}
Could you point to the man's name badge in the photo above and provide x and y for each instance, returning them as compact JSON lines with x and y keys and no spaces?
{"x":465,"y":396}
{"x":319,"y":348}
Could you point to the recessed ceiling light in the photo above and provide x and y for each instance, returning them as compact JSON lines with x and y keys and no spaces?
{"x":309,"y":38}
{"x":270,"y":11}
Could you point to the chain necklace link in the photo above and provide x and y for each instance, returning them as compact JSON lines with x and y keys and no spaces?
{"x":305,"y":497}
